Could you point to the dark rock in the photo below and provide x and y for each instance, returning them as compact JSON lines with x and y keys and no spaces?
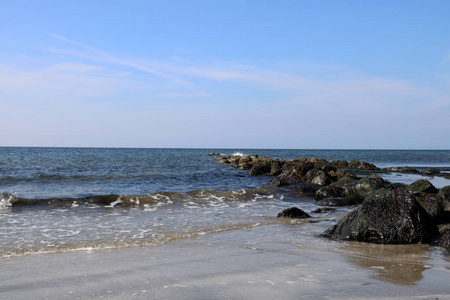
{"x":444,"y":239}
{"x":329,"y":191}
{"x":340,"y":163}
{"x":431,"y":171}
{"x":245,"y":159}
{"x":355,"y":164}
{"x":303,"y":188}
{"x":293,"y":212}
{"x":260,"y":169}
{"x":246,"y":166}
{"x":361,"y":189}
{"x":386,"y":217}
{"x":422,"y":186}
{"x":321,"y":179}
{"x":337,"y":201}
{"x":435,"y":208}
{"x":276,"y":168}
{"x":323,"y":210}
{"x":401,"y":169}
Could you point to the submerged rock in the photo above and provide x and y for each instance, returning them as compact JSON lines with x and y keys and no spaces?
{"x":386,"y":217}
{"x":293,"y":212}
{"x":323,"y":210}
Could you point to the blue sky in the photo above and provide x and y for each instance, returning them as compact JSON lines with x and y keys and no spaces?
{"x":225,"y":74}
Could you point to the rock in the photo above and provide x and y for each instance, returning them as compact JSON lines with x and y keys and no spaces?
{"x":260,"y":169}
{"x":340,"y":163}
{"x":435,"y":208}
{"x":293,"y":212}
{"x":245,"y":159}
{"x":386,"y":217}
{"x":336,"y":201}
{"x":431,"y":171}
{"x":422,"y":186}
{"x":224,"y":161}
{"x":321,"y":180}
{"x":401,"y":169}
{"x":304,"y":188}
{"x":444,"y":239}
{"x":329,"y":191}
{"x":323,"y":210}
{"x":364,"y":187}
{"x":246,"y":166}
{"x":276,"y":168}
{"x":355,"y":164}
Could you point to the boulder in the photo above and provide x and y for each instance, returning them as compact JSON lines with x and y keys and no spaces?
{"x":401,"y":169}
{"x":431,"y":171}
{"x":260,"y":169}
{"x":444,"y":239}
{"x":422,"y":186}
{"x":293,"y":212}
{"x":364,"y":187}
{"x":304,"y":188}
{"x":323,"y":210}
{"x":329,"y":191}
{"x":335,"y":201}
{"x":386,"y":217}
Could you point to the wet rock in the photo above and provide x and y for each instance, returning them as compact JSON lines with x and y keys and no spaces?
{"x":401,"y":169}
{"x":276,"y":168}
{"x":422,"y":186}
{"x":323,"y":210}
{"x":364,"y":187}
{"x":435,"y":208}
{"x":340,"y":163}
{"x":329,"y":191}
{"x":431,"y":171}
{"x":245,"y":159}
{"x":444,"y":239}
{"x":246,"y":166}
{"x":355,"y":164}
{"x":321,"y":179}
{"x":386,"y":217}
{"x":293,"y":212}
{"x":260,"y":169}
{"x":304,"y":188}
{"x":335,"y":201}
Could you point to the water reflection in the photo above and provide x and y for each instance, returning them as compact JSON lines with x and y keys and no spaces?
{"x":397,"y":264}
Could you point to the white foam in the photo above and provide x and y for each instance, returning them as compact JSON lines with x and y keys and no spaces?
{"x":5,"y":203}
{"x":238,"y":154}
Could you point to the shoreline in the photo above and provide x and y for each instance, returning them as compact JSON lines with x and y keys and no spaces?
{"x":241,"y":264}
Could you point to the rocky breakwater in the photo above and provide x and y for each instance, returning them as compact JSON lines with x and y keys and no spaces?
{"x":385,"y":213}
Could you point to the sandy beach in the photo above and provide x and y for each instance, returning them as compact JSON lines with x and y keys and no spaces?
{"x":237,"y":264}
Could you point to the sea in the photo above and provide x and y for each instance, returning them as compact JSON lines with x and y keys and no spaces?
{"x":92,"y":199}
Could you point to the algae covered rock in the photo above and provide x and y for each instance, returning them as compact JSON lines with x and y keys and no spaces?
{"x":293,"y":212}
{"x":329,"y":191}
{"x":386,"y":217}
{"x":422,"y":186}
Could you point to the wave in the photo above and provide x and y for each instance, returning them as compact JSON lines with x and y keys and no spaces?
{"x":155,"y":240}
{"x":8,"y":201}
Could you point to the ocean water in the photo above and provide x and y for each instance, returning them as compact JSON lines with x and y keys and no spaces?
{"x":158,"y":195}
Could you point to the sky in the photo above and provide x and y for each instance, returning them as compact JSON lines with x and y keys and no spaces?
{"x":225,"y":74}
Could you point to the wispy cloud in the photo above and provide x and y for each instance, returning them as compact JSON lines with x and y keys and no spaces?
{"x":143,"y":68}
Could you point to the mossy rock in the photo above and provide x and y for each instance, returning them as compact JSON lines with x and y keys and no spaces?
{"x":422,"y":186}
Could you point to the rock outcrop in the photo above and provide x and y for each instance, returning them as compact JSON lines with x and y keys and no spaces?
{"x":386,"y":217}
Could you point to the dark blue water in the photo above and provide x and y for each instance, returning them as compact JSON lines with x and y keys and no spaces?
{"x":79,"y":172}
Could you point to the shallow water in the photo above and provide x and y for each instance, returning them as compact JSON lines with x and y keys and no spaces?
{"x":161,"y":195}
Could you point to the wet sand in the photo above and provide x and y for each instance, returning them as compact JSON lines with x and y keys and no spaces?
{"x":239,"y":264}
